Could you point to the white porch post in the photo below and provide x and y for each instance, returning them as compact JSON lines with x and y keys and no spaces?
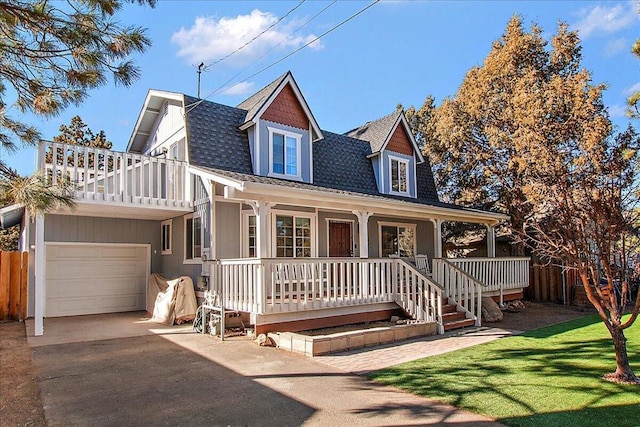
{"x":491,"y":241}
{"x":262,"y":210}
{"x":437,"y":238}
{"x":40,"y":277}
{"x":363,"y":231}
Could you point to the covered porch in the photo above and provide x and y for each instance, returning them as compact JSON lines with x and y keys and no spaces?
{"x":311,"y":258}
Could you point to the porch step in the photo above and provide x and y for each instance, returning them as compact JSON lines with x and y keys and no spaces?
{"x":448,"y":308}
{"x":458,"y":324}
{"x":453,"y":316}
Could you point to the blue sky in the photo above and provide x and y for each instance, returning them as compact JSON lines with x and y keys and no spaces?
{"x":395,"y":52}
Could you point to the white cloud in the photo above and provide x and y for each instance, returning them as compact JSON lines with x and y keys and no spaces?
{"x":241,"y":88}
{"x":631,"y":89}
{"x":616,"y":46}
{"x":210,"y":38}
{"x":605,"y":19}
{"x":617,"y":111}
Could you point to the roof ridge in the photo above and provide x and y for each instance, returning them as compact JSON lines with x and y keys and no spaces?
{"x":254,"y":99}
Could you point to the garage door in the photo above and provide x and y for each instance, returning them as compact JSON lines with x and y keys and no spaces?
{"x":92,"y":279}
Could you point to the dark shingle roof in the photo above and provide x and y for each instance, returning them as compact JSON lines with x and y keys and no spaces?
{"x":377,"y":131}
{"x":340,"y":163}
{"x":214,"y":138}
{"x":257,"y":100}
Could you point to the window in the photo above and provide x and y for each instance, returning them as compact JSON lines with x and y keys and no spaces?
{"x":165,"y":237}
{"x":397,"y":239}
{"x":399,"y":169}
{"x":192,"y":238}
{"x":284,"y":153}
{"x":293,"y":236}
{"x":175,"y":152}
{"x":252,"y":238}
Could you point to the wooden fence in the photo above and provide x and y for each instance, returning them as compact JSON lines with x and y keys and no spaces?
{"x":549,"y":283}
{"x":14,"y":273}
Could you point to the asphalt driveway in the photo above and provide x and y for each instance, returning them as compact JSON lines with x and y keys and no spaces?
{"x":190,"y":379}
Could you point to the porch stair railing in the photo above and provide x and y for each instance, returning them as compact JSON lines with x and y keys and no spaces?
{"x":496,"y":274}
{"x":276,"y":285}
{"x":461,"y":289}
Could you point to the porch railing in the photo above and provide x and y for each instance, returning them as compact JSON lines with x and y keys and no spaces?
{"x":266,"y":286}
{"x":496,"y":274}
{"x":97,"y":174}
{"x":460,"y":287}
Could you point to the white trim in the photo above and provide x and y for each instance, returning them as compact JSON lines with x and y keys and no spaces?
{"x":213,"y":244}
{"x":397,"y":224}
{"x":256,"y":136}
{"x":313,"y":221}
{"x":244,"y":232}
{"x":197,"y":260}
{"x":40,"y":274}
{"x":353,"y":234}
{"x":168,"y":251}
{"x":310,"y":154}
{"x":353,"y":202}
{"x":298,"y":138}
{"x":406,"y":178}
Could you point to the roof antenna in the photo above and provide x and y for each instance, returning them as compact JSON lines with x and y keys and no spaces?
{"x":200,"y":68}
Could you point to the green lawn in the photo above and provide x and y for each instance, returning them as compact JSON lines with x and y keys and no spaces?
{"x":550,"y":376}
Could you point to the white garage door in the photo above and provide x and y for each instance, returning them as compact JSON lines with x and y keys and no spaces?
{"x":92,"y":279}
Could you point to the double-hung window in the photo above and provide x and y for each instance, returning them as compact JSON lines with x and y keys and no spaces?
{"x":397,"y":239}
{"x":284,"y":153}
{"x":165,"y":237}
{"x":293,"y":236}
{"x":399,"y":170}
{"x":192,"y":238}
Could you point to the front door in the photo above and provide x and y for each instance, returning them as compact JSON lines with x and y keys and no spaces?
{"x":340,"y":239}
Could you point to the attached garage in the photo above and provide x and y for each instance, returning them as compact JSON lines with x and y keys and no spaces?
{"x":82,"y":278}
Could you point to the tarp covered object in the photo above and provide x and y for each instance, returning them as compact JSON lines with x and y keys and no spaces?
{"x":174,"y":301}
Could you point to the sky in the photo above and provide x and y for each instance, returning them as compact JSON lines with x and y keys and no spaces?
{"x":394,"y":52}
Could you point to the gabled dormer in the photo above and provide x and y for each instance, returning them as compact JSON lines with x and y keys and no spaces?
{"x":281,"y":130}
{"x":394,"y":154}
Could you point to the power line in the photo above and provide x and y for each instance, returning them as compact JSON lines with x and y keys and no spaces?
{"x":216,"y":91}
{"x":256,"y":37}
{"x":270,"y":50}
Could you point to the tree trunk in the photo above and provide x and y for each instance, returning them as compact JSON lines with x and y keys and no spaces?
{"x":623,"y":372}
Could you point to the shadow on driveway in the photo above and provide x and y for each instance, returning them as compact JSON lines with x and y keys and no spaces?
{"x":151,"y":381}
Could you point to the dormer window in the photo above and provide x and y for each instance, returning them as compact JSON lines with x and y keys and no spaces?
{"x":284,"y":154}
{"x":399,"y":168}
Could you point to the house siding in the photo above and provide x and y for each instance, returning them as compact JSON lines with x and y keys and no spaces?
{"x":286,"y":109}
{"x":305,"y":147}
{"x":227,"y":218}
{"x":169,"y":128}
{"x":399,"y":142}
{"x":173,"y":265}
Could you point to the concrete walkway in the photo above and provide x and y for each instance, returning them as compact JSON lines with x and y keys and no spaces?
{"x":190,"y":379}
{"x":366,"y":360}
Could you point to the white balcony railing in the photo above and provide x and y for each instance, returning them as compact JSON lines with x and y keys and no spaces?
{"x":102,"y":175}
